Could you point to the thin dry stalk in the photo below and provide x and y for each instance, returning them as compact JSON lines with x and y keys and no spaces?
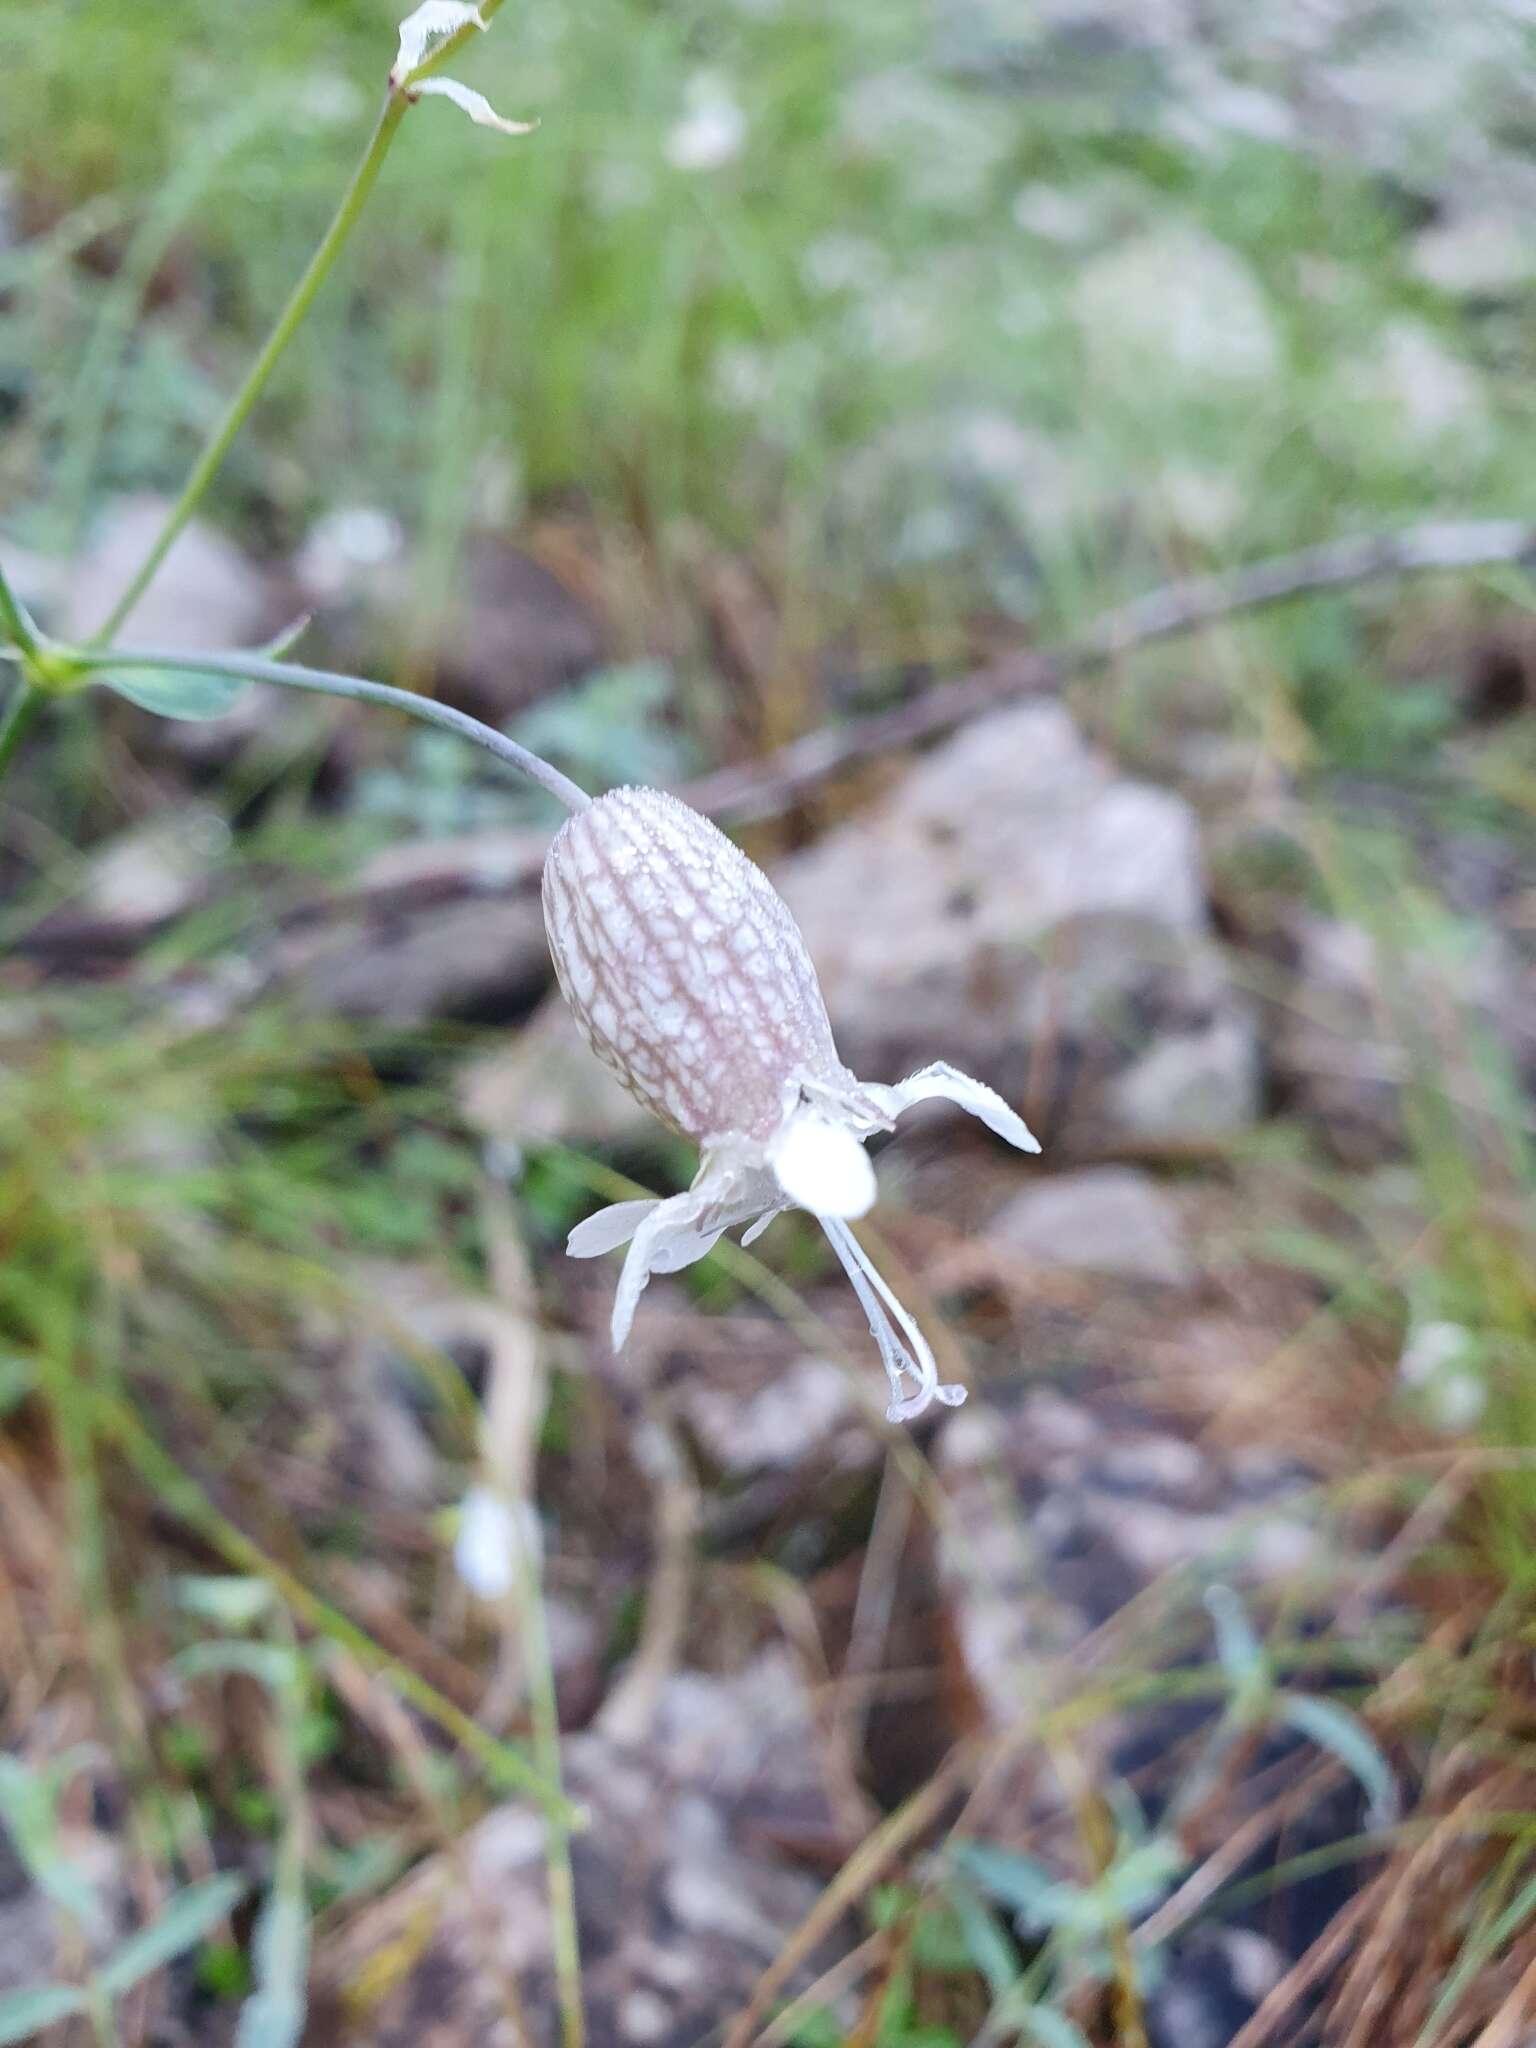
{"x":1502,"y":2031}
{"x":1297,"y":1981}
{"x":863,"y":1869}
{"x":629,"y":1712}
{"x":853,"y":1812}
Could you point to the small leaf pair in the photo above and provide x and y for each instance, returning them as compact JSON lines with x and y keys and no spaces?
{"x":433,"y":23}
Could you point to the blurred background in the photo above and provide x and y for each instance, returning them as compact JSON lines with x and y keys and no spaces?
{"x":807,"y":364}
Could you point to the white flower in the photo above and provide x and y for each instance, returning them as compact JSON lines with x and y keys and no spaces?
{"x":1442,"y":1364}
{"x":492,"y":1539}
{"x":712,"y":130}
{"x":690,"y":979}
{"x":434,"y":22}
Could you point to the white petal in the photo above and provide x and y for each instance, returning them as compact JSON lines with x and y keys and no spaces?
{"x":431,"y":23}
{"x":608,"y":1229}
{"x":941,"y":1079}
{"x":666,"y":1241}
{"x":683,"y":1247}
{"x":822,"y":1166}
{"x":491,"y":1539}
{"x":751,"y":1235}
{"x":475,"y":104}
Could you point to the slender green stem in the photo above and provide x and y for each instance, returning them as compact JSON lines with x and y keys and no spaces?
{"x":544,"y":1714}
{"x":398,"y":100}
{"x":288,"y":321}
{"x":15,"y":626}
{"x":19,"y":714}
{"x":324,"y":683}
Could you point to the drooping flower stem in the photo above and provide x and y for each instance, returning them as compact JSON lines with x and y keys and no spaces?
{"x":323,"y":682}
{"x":397,"y":102}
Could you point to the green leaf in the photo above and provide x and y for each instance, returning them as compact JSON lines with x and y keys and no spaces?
{"x":1237,"y":1646}
{"x":175,"y":693}
{"x":274,"y":2016}
{"x":18,"y":628}
{"x":17,"y":1380}
{"x":223,"y":1598}
{"x":1345,"y":1736}
{"x":990,"y":1950}
{"x":282,"y":644}
{"x":24,"y":2014}
{"x":191,"y":1915}
{"x":276,"y":1666}
{"x":1013,"y":1880}
{"x":29,"y":1814}
{"x":1138,"y":1879}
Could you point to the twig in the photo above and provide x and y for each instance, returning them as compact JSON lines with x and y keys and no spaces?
{"x":767,"y":786}
{"x":1228,"y":1858}
{"x":764,"y":788}
{"x":1502,"y":2030}
{"x":862,"y":1870}
{"x":1318,"y":1960}
{"x":629,"y":1712}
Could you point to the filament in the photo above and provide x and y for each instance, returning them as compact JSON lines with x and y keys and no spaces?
{"x":910,"y":1360}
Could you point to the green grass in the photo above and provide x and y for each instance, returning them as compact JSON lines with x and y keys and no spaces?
{"x":842,"y":347}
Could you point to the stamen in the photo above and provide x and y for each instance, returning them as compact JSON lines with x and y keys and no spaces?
{"x":912,"y":1360}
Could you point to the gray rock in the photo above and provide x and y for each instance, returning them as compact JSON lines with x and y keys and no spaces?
{"x":780,"y":1421}
{"x":157,"y":870}
{"x":1016,"y":907}
{"x":1069,"y":1513}
{"x":428,"y":928}
{"x":1195,"y":1085}
{"x":1107,"y":1219}
{"x":520,"y":632}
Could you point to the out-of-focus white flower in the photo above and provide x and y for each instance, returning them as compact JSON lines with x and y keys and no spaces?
{"x":713,"y":128}
{"x":619,"y":184}
{"x":691,"y":981}
{"x":348,"y":546}
{"x":1440,"y":1364}
{"x":420,"y":33}
{"x":492,"y":1540}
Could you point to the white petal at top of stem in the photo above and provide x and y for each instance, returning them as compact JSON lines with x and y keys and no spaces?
{"x":431,"y":23}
